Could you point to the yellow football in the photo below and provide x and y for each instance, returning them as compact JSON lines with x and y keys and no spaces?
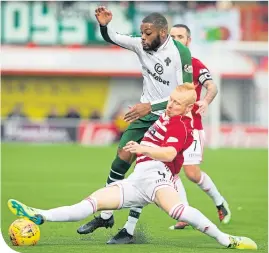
{"x":23,"y":232}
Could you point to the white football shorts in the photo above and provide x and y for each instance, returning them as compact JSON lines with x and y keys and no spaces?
{"x":194,"y":154}
{"x":140,"y":187}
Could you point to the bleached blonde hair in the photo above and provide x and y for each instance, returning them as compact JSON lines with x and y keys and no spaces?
{"x":188,"y":90}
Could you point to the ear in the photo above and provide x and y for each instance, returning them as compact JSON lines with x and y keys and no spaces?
{"x":189,"y":41}
{"x":163,"y":32}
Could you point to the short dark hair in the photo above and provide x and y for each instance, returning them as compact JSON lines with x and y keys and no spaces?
{"x":184,"y":26}
{"x":157,"y":20}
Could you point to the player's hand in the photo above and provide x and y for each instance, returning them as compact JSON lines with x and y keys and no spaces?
{"x":137,"y":111}
{"x":203,"y":105}
{"x":133,"y":147}
{"x":103,"y":15}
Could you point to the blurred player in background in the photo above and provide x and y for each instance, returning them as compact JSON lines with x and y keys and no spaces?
{"x":165,"y":64}
{"x":159,"y":158}
{"x":194,"y":154}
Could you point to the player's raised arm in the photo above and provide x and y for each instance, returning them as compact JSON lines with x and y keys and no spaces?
{"x":104,"y":16}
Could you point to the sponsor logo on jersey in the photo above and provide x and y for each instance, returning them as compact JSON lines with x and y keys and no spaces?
{"x":188,"y":68}
{"x":159,"y":69}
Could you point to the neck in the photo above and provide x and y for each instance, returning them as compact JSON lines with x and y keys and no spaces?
{"x":163,"y":40}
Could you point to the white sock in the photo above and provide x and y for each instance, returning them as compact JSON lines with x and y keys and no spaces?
{"x":181,"y":192}
{"x":195,"y":218}
{"x":208,"y":186}
{"x":106,"y":214}
{"x":132,"y":220}
{"x":75,"y":212}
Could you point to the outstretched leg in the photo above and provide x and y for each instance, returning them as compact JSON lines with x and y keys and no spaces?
{"x":167,"y":199}
{"x":109,"y":198}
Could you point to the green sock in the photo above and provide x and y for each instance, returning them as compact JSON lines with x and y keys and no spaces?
{"x":118,"y":170}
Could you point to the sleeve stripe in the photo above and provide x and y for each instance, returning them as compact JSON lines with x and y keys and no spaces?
{"x":106,"y":37}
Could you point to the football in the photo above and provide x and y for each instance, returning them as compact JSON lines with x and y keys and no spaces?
{"x":23,"y":232}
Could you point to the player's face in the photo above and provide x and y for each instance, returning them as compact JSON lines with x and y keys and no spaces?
{"x":150,"y":36}
{"x":177,"y":105}
{"x":180,"y":34}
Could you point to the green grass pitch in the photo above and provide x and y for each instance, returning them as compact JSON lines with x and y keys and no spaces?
{"x":53,"y":175}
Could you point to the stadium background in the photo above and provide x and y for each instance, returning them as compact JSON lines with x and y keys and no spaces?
{"x":66,"y":90}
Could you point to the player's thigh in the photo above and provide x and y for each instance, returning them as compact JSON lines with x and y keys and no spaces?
{"x":193,"y":155}
{"x":166,"y":198}
{"x":130,"y":194}
{"x":108,"y":198}
{"x":131,"y":134}
{"x":193,"y":172}
{"x":156,"y":175}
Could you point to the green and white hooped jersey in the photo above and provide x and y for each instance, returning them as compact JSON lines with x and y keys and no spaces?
{"x":162,"y":70}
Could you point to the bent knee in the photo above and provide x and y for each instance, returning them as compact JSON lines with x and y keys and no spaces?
{"x":108,"y":198}
{"x":193,"y":172}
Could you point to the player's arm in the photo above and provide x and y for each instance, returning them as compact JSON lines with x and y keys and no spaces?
{"x":142,"y":109}
{"x":211,"y":92}
{"x":163,"y":154}
{"x":205,"y":79}
{"x":104,"y":16}
{"x":124,"y":41}
{"x":174,"y":140}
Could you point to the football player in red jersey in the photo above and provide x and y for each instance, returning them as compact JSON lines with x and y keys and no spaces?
{"x":194,"y":154}
{"x":159,"y":158}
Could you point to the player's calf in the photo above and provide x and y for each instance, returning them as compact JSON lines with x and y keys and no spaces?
{"x":119,"y":166}
{"x":193,"y":173}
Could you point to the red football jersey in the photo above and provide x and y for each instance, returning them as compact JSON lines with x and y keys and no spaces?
{"x":169,"y":132}
{"x":200,"y":75}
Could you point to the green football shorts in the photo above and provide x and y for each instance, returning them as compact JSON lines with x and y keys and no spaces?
{"x":137,"y":129}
